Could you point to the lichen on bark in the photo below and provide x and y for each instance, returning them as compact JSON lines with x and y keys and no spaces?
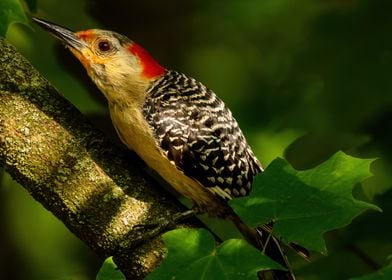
{"x":74,"y":171}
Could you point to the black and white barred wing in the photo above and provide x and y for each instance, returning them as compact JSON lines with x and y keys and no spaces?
{"x":198,"y":133}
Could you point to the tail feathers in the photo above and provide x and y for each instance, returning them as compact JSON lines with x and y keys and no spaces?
{"x":263,"y":240}
{"x":271,"y":246}
{"x":302,"y":251}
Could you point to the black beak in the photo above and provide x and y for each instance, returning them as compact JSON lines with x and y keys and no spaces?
{"x":65,"y":35}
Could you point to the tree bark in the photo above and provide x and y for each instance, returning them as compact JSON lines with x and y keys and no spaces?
{"x":50,"y":148}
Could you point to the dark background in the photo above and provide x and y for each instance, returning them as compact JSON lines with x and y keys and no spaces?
{"x":304,"y":79}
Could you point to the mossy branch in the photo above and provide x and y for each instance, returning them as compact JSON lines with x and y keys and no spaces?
{"x":74,"y":171}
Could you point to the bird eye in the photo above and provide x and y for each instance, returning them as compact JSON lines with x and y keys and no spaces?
{"x":104,"y":46}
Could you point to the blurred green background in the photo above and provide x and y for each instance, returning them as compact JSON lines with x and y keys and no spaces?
{"x":304,"y":79}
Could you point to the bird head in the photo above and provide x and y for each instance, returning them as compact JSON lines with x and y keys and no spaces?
{"x":115,"y":63}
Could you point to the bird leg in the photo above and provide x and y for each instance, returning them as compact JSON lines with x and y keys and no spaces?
{"x":152,"y":230}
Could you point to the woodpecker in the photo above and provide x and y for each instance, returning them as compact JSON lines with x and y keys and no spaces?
{"x":178,"y":126}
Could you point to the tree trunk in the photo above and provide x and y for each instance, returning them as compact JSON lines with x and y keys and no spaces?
{"x":75,"y":172}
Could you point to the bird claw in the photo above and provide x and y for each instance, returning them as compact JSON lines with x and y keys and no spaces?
{"x":150,"y":231}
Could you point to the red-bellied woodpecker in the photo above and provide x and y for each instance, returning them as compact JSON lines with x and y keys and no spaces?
{"x":179,"y":127}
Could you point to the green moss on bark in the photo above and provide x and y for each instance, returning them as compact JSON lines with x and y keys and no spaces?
{"x":78,"y":175}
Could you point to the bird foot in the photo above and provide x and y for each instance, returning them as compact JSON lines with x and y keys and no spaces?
{"x":149,"y":231}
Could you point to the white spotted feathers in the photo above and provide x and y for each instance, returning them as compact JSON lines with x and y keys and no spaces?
{"x":198,"y":134}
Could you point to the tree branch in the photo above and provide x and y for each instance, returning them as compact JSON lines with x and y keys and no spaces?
{"x":75,"y":172}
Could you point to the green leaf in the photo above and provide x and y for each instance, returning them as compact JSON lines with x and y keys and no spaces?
{"x":306,"y":204}
{"x":193,"y":254}
{"x":32,"y":4}
{"x":11,"y":11}
{"x":110,"y":271}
